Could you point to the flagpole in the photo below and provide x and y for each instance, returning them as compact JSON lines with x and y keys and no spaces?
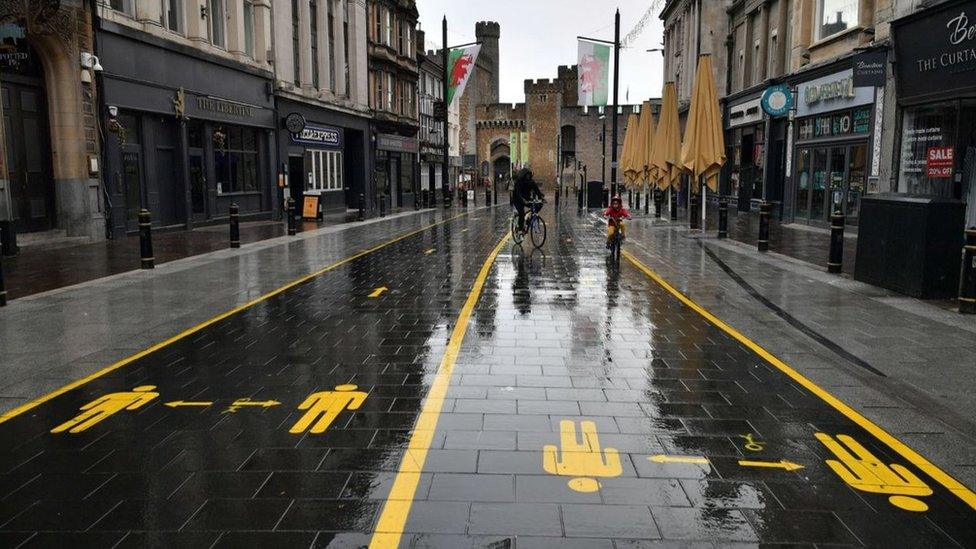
{"x":616,"y":90}
{"x":446,"y":151}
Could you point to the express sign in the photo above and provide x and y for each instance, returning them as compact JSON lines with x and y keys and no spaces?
{"x":323,"y":136}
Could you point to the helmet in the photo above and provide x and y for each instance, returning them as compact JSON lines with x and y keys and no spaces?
{"x":616,"y":199}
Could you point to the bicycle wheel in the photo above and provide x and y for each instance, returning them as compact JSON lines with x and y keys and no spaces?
{"x":538,"y":231}
{"x":517,"y":235}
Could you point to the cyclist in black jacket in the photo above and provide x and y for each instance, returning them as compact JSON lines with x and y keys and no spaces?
{"x":526,"y":190}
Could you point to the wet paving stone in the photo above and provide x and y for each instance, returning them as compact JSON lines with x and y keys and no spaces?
{"x":587,"y":407}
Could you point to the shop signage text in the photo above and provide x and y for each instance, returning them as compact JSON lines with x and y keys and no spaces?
{"x":221,"y":106}
{"x":832,"y":93}
{"x":396,"y":143}
{"x":854,"y":122}
{"x":870,"y":68}
{"x":324,"y":136}
{"x":936,"y":53}
{"x":939,"y":162}
{"x":777,"y":100}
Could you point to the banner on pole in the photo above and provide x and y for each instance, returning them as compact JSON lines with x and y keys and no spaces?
{"x":461,"y":62}
{"x":524,"y":153}
{"x":594,"y":74}
{"x":514,"y":147}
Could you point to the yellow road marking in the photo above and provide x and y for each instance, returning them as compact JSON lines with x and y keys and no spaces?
{"x":325,"y":406}
{"x":898,"y":446}
{"x":7,"y":416}
{"x":379,"y":291}
{"x":782,"y":464}
{"x":697,"y":460}
{"x":393,"y":518}
{"x":430,"y":251}
{"x":581,"y":459}
{"x":183,"y":403}
{"x":107,"y":406}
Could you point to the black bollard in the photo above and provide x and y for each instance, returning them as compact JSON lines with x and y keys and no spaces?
{"x":764,"y":209}
{"x":967,"y":281}
{"x":579,"y":199}
{"x":647,"y":202}
{"x":8,"y":238}
{"x":487,"y":196}
{"x":658,"y":203}
{"x":674,"y":205}
{"x":382,"y":206}
{"x":723,"y":218}
{"x":290,"y":212}
{"x":3,"y":289}
{"x":145,"y":240}
{"x":606,"y":198}
{"x":362,"y":207}
{"x":630,"y":198}
{"x":835,"y":259}
{"x":235,"y":226}
{"x":693,"y":216}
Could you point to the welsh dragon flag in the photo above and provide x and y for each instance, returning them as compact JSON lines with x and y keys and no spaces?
{"x":461,"y":62}
{"x":594,"y":74}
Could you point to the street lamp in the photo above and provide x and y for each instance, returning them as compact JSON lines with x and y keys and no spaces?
{"x":603,"y":140}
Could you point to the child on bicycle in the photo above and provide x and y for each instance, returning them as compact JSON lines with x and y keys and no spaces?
{"x":616,"y":214}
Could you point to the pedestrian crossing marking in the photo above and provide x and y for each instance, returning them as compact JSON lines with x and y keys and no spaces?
{"x":580,"y":458}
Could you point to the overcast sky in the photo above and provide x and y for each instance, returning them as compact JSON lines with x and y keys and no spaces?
{"x":539,"y":35}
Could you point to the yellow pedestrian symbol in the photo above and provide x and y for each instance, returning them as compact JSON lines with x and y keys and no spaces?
{"x":325,"y":406}
{"x":581,"y":460}
{"x":863,"y":471}
{"x":751,"y":444}
{"x":101,"y":409}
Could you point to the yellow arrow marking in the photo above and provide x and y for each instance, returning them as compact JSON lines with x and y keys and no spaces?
{"x":782,"y":464}
{"x":379,"y":291}
{"x":430,"y":251}
{"x":261,"y":403}
{"x":679,"y":459}
{"x":183,"y":403}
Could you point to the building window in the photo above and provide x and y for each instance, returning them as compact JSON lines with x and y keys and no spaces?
{"x":388,"y":28}
{"x":377,"y":23}
{"x":313,"y":11}
{"x":835,"y":16}
{"x":773,"y":56}
{"x":757,"y":64}
{"x":249,"y":28}
{"x":171,"y":15}
{"x":326,"y":170}
{"x":296,"y":33}
{"x":402,"y":38}
{"x":924,"y":129}
{"x":345,"y":45}
{"x":218,"y":21}
{"x":125,"y":6}
{"x":332,"y":49}
{"x":236,"y":159}
{"x":390,"y":92}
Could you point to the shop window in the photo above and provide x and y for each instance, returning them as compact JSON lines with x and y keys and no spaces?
{"x":388,"y":28}
{"x":236,"y":159}
{"x":326,"y":170}
{"x":835,"y":16}
{"x":218,"y":23}
{"x":249,"y":28}
{"x":928,"y":139}
{"x":171,"y":15}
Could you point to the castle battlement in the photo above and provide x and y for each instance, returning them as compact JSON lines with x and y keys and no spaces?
{"x":542,"y":85}
{"x":487,"y":29}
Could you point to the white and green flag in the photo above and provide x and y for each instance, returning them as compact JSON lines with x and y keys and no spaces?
{"x":594,"y":74}
{"x":461,"y":63}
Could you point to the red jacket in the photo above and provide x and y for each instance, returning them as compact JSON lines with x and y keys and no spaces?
{"x":618,"y":214}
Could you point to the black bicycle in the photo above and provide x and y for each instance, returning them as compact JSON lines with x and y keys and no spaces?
{"x":533,"y":225}
{"x":617,"y":240}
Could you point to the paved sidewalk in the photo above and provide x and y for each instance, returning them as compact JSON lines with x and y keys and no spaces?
{"x":906,"y":364}
{"x":53,"y":338}
{"x":43,"y":268}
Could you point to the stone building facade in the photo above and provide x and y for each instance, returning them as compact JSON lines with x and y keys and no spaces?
{"x":565,"y":141}
{"x":49,"y":147}
{"x":482,"y":89}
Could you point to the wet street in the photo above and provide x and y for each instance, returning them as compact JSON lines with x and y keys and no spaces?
{"x":442,"y":387}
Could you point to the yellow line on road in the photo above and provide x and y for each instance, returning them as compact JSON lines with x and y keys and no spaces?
{"x":393,"y":519}
{"x":912,"y":456}
{"x":7,"y":416}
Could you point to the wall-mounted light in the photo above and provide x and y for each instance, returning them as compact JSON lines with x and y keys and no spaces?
{"x":89,"y":61}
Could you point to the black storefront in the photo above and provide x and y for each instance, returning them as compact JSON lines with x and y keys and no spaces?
{"x":832,"y":160}
{"x":327,"y":157}
{"x":187,"y":134}
{"x":935,"y":72}
{"x":397,"y":167}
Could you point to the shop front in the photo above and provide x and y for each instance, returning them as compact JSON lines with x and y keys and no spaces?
{"x":746,"y":137}
{"x":396,"y":164}
{"x":832,"y":156}
{"x":323,"y":153}
{"x":186,"y":136}
{"x":936,"y":84}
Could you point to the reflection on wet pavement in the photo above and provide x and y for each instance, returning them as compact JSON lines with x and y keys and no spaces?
{"x":587,"y":406}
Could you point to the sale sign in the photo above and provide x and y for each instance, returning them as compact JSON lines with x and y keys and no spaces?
{"x":939,"y":162}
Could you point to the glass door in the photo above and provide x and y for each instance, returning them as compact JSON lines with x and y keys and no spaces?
{"x":198,"y":185}
{"x":818,"y":189}
{"x":856,"y":181}
{"x":836,"y":178}
{"x":802,"y":210}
